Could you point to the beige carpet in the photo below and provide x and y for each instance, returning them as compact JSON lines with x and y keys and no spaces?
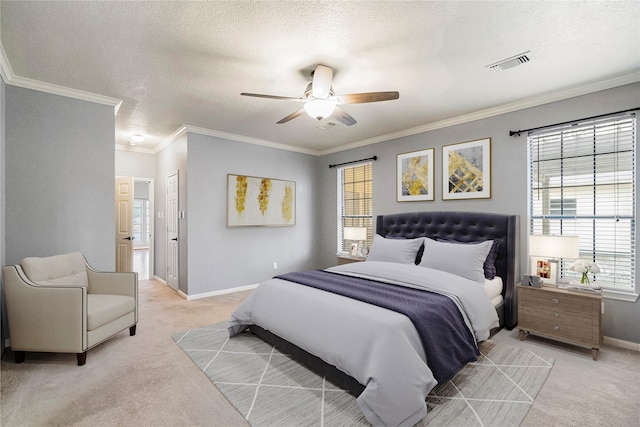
{"x":147,"y":380}
{"x":269,"y":388}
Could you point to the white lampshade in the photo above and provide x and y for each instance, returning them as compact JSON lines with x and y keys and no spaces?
{"x":319,"y":108}
{"x":355,"y":233}
{"x":554,"y":246}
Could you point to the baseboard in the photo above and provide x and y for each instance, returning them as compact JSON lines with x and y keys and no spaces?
{"x":216,"y":293}
{"x":615,"y":342}
{"x":159,"y":280}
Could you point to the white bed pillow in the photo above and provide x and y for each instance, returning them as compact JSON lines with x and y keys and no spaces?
{"x":402,"y":251}
{"x":462,"y":259}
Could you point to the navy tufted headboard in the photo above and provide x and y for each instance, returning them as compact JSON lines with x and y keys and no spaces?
{"x":466,"y":227}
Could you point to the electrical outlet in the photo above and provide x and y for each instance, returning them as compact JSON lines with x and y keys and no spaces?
{"x":275,"y":265}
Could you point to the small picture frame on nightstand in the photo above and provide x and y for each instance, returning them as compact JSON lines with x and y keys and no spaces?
{"x":354,"y":249}
{"x":546,"y":270}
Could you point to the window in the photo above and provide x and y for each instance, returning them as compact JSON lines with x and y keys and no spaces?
{"x":582,"y":182}
{"x":355,"y":202}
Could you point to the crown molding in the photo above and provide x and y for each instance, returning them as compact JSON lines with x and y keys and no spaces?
{"x":11,"y":79}
{"x":495,"y":111}
{"x":228,"y":136}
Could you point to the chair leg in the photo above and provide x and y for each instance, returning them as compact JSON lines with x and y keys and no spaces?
{"x":19,"y":356}
{"x":82,"y":358}
{"x":132,"y":330}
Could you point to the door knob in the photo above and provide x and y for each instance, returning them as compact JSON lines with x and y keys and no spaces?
{"x":129,"y":238}
{"x":175,"y":239}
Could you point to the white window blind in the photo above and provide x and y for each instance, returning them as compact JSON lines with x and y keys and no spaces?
{"x":582,"y":183}
{"x":355,"y":202}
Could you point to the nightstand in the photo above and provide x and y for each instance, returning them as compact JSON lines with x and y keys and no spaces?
{"x":573,"y":317}
{"x":346,"y":259}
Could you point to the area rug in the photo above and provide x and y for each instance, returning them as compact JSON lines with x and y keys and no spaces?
{"x":269,"y":388}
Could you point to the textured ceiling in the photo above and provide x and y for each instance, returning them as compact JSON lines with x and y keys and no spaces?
{"x":185,"y":63}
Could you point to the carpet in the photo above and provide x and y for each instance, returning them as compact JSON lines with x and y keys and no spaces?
{"x":269,"y":388}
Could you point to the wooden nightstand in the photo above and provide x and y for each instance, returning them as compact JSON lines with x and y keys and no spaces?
{"x":346,"y":259}
{"x":573,"y":317}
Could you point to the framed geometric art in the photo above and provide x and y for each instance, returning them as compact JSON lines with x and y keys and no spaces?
{"x":253,"y":201}
{"x":466,"y":170}
{"x":415,"y":176}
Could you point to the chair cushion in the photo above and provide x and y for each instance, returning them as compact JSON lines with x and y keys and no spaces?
{"x":58,"y":269}
{"x":102,"y":308}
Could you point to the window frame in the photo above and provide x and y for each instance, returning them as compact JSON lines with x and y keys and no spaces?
{"x":539,"y":220}
{"x":361,"y":220}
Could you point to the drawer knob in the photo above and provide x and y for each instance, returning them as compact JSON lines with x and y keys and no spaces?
{"x":555,"y":300}
{"x":555,"y":327}
{"x":556,"y":314}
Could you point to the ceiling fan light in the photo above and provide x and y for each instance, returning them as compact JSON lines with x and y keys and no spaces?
{"x":319,"y":108}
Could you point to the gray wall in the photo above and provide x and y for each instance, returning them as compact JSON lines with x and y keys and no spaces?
{"x":59,"y":170}
{"x":221,"y":257}
{"x":172,"y":158}
{"x":4,"y":331}
{"x":132,"y":163}
{"x":509,"y":179}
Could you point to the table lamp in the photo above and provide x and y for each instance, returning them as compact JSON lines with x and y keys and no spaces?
{"x":357,"y":235}
{"x":553,"y":248}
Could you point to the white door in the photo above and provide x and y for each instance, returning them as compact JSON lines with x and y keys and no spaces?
{"x":124,"y":224}
{"x":172,"y":230}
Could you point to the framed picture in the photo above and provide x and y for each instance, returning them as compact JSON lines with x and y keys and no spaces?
{"x":253,"y":201}
{"x":545,"y":269}
{"x":466,"y":170}
{"x":354,"y":249}
{"x":415,"y":176}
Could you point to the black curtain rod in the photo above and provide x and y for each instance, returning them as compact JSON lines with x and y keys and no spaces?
{"x":518,"y":132}
{"x":355,"y":161}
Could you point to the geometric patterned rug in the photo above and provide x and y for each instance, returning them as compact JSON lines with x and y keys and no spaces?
{"x":269,"y":388}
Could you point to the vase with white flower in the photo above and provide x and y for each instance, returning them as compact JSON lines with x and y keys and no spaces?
{"x":585,"y":267}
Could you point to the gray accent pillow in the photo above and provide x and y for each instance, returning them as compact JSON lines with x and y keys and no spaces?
{"x":462,"y":259}
{"x":402,"y":251}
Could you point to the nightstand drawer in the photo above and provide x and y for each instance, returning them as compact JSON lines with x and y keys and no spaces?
{"x":552,"y":313}
{"x":557,"y":300}
{"x":573,"y":331}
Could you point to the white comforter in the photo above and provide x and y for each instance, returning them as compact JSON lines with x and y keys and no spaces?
{"x":378,"y":347}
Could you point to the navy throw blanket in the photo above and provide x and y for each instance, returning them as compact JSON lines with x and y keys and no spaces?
{"x":447,"y":342}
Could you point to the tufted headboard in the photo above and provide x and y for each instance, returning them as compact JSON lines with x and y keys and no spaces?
{"x":466,"y":227}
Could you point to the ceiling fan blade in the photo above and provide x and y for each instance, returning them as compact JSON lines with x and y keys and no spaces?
{"x":343,"y":117}
{"x":359,"y":98}
{"x":291,"y":116}
{"x":259,"y":95}
{"x":322,"y":78}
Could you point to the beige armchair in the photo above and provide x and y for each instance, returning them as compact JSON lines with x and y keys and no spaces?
{"x":60,"y":304}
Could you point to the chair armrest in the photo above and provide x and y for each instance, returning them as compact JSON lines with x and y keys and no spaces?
{"x":44,"y":317}
{"x":112,"y":283}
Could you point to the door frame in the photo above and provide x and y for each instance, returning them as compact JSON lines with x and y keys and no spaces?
{"x":176,"y":216}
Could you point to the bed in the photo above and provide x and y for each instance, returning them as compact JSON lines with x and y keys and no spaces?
{"x":365,"y":326}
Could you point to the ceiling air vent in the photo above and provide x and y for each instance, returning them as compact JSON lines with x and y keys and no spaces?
{"x":514,"y":61}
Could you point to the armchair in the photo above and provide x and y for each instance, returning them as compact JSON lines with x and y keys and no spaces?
{"x":61,"y":304}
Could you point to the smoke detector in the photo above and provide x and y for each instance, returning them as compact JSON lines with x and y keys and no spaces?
{"x":514,"y":61}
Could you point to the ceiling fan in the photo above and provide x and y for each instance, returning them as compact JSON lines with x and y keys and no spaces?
{"x":320,"y":101}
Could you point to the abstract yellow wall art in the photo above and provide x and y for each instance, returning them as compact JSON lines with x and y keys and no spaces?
{"x":415,"y":176}
{"x":255,"y":201}
{"x":466,"y":170}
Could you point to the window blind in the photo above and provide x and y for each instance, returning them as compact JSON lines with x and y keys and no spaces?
{"x":355,"y":202}
{"x":582,"y":182}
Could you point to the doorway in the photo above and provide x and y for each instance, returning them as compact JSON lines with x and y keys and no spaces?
{"x":143,"y":227}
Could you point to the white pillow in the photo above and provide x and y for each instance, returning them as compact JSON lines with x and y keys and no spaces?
{"x":462,"y":259}
{"x":403,"y":251}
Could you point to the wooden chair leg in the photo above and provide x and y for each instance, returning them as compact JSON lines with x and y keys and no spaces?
{"x":82,"y":358}
{"x":19,"y":356}
{"x":132,"y":330}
